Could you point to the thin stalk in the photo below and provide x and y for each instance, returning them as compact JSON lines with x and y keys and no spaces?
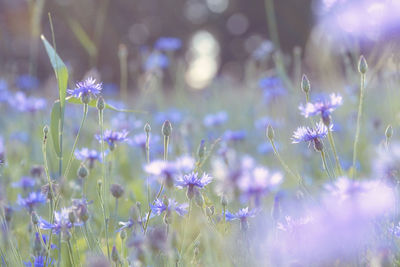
{"x":85,"y":111}
{"x":166,"y":143}
{"x":356,"y":139}
{"x":71,"y":253}
{"x":332,"y":143}
{"x":185,"y":227}
{"x":59,"y":250}
{"x":271,"y":21}
{"x":325,"y":165}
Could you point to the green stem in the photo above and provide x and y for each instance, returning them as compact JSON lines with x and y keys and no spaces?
{"x":332,"y":143}
{"x":271,"y":20}
{"x":356,"y":139}
{"x":184,"y":229}
{"x":71,"y":253}
{"x":85,"y":111}
{"x":325,"y":165}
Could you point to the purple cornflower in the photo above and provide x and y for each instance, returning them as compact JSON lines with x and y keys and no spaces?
{"x":25,"y":183}
{"x":86,"y":89}
{"x":272,"y":88}
{"x":40,"y":261}
{"x":160,"y":206}
{"x":27,"y":82}
{"x":324,"y":108}
{"x":112,"y":137}
{"x":193,"y":182}
{"x":90,"y":155}
{"x":168,"y":44}
{"x":61,"y":222}
{"x":217,"y":119}
{"x":242,"y":215}
{"x":26,"y":104}
{"x":306,"y":134}
{"x":156,"y":61}
{"x":32,"y":200}
{"x":258,"y":182}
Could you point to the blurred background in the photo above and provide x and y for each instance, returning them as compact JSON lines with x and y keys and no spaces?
{"x":217,"y":36}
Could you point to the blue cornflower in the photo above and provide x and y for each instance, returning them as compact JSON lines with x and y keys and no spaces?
{"x":27,"y":82}
{"x":61,"y":222}
{"x":32,"y":200}
{"x":156,"y":61}
{"x":160,"y":206}
{"x":112,"y":137}
{"x":90,"y":155}
{"x":26,"y":104}
{"x":234,"y":135}
{"x":25,"y":183}
{"x":217,"y":119}
{"x":242,"y":215}
{"x":324,"y":108}
{"x":306,"y":134}
{"x":86,"y":89}
{"x":272,"y":87}
{"x":168,"y":44}
{"x":4,"y":93}
{"x":192,"y":182}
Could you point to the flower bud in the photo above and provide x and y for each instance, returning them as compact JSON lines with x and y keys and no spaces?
{"x":114,"y":254}
{"x":270,"y":132}
{"x":100,"y":103}
{"x":8,"y":213}
{"x":224,"y":201}
{"x":117,"y":190}
{"x":362,"y":65}
{"x":389,"y":132}
{"x":83,"y":171}
{"x":45,"y":131}
{"x":71,"y":217}
{"x":122,"y":235}
{"x":34,"y":218}
{"x":305,"y":84}
{"x":166,"y":128}
{"x":147,"y":128}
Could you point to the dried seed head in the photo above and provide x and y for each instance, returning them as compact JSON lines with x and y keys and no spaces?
{"x":117,"y":190}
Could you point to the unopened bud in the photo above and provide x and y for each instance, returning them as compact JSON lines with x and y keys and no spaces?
{"x":114,"y":254}
{"x":362,"y":65}
{"x":34,"y":218}
{"x":83,"y":171}
{"x":305,"y":84}
{"x":147,"y":128}
{"x":122,"y":235}
{"x":270,"y":132}
{"x":166,"y":128}
{"x":224,"y":201}
{"x":117,"y":190}
{"x":389,"y":132}
{"x":100,"y":103}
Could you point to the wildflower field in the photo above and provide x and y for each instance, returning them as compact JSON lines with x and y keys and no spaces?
{"x":287,"y":158}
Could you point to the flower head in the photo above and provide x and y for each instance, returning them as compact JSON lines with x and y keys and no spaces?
{"x":25,"y":183}
{"x":306,"y":134}
{"x":61,"y":222}
{"x":160,"y":206}
{"x":323,"y":108}
{"x":193,"y":182}
{"x":90,"y":155}
{"x":168,"y":44}
{"x":87,"y":88}
{"x":113,"y":137}
{"x":32,"y":200}
{"x":26,"y":104}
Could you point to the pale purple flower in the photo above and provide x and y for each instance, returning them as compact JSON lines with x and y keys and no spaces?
{"x":27,"y":82}
{"x":89,"y":155}
{"x":113,"y":137}
{"x":306,"y":134}
{"x":242,"y":215}
{"x":26,"y":104}
{"x":25,"y":183}
{"x":31,"y":201}
{"x":217,"y":119}
{"x":234,"y":136}
{"x":61,"y":222}
{"x":159,"y":207}
{"x":386,"y":164}
{"x":323,"y":108}
{"x":193,"y":180}
{"x":168,"y":44}
{"x":88,"y":87}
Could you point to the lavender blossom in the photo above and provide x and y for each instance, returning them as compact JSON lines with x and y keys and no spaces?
{"x":306,"y":134}
{"x":323,"y":108}
{"x":160,"y":206}
{"x":86,"y":89}
{"x":32,"y":200}
{"x":193,"y":182}
{"x":113,"y":137}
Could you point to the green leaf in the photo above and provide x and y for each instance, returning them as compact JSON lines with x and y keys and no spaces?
{"x":60,"y":70}
{"x":55,"y":126}
{"x":93,"y":103}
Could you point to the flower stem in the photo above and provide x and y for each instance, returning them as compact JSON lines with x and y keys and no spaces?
{"x":71,"y":253}
{"x":356,"y":139}
{"x":332,"y":143}
{"x":185,"y":228}
{"x":85,"y":111}
{"x":325,"y":165}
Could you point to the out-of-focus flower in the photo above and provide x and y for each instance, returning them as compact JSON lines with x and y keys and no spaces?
{"x":113,"y":137}
{"x":173,"y":115}
{"x":32,"y":200}
{"x":257,"y":182}
{"x":27,"y":82}
{"x":217,"y":119}
{"x":323,"y":108}
{"x":193,"y":182}
{"x":26,"y":104}
{"x":159,"y":207}
{"x":156,"y":61}
{"x":263,"y":50}
{"x":87,"y":88}
{"x":168,"y":44}
{"x":242,"y":215}
{"x":234,"y":136}
{"x":61,"y":222}
{"x":359,"y":19}
{"x":90,"y":155}
{"x":386,"y":165}
{"x":25,"y":183}
{"x":272,"y":88}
